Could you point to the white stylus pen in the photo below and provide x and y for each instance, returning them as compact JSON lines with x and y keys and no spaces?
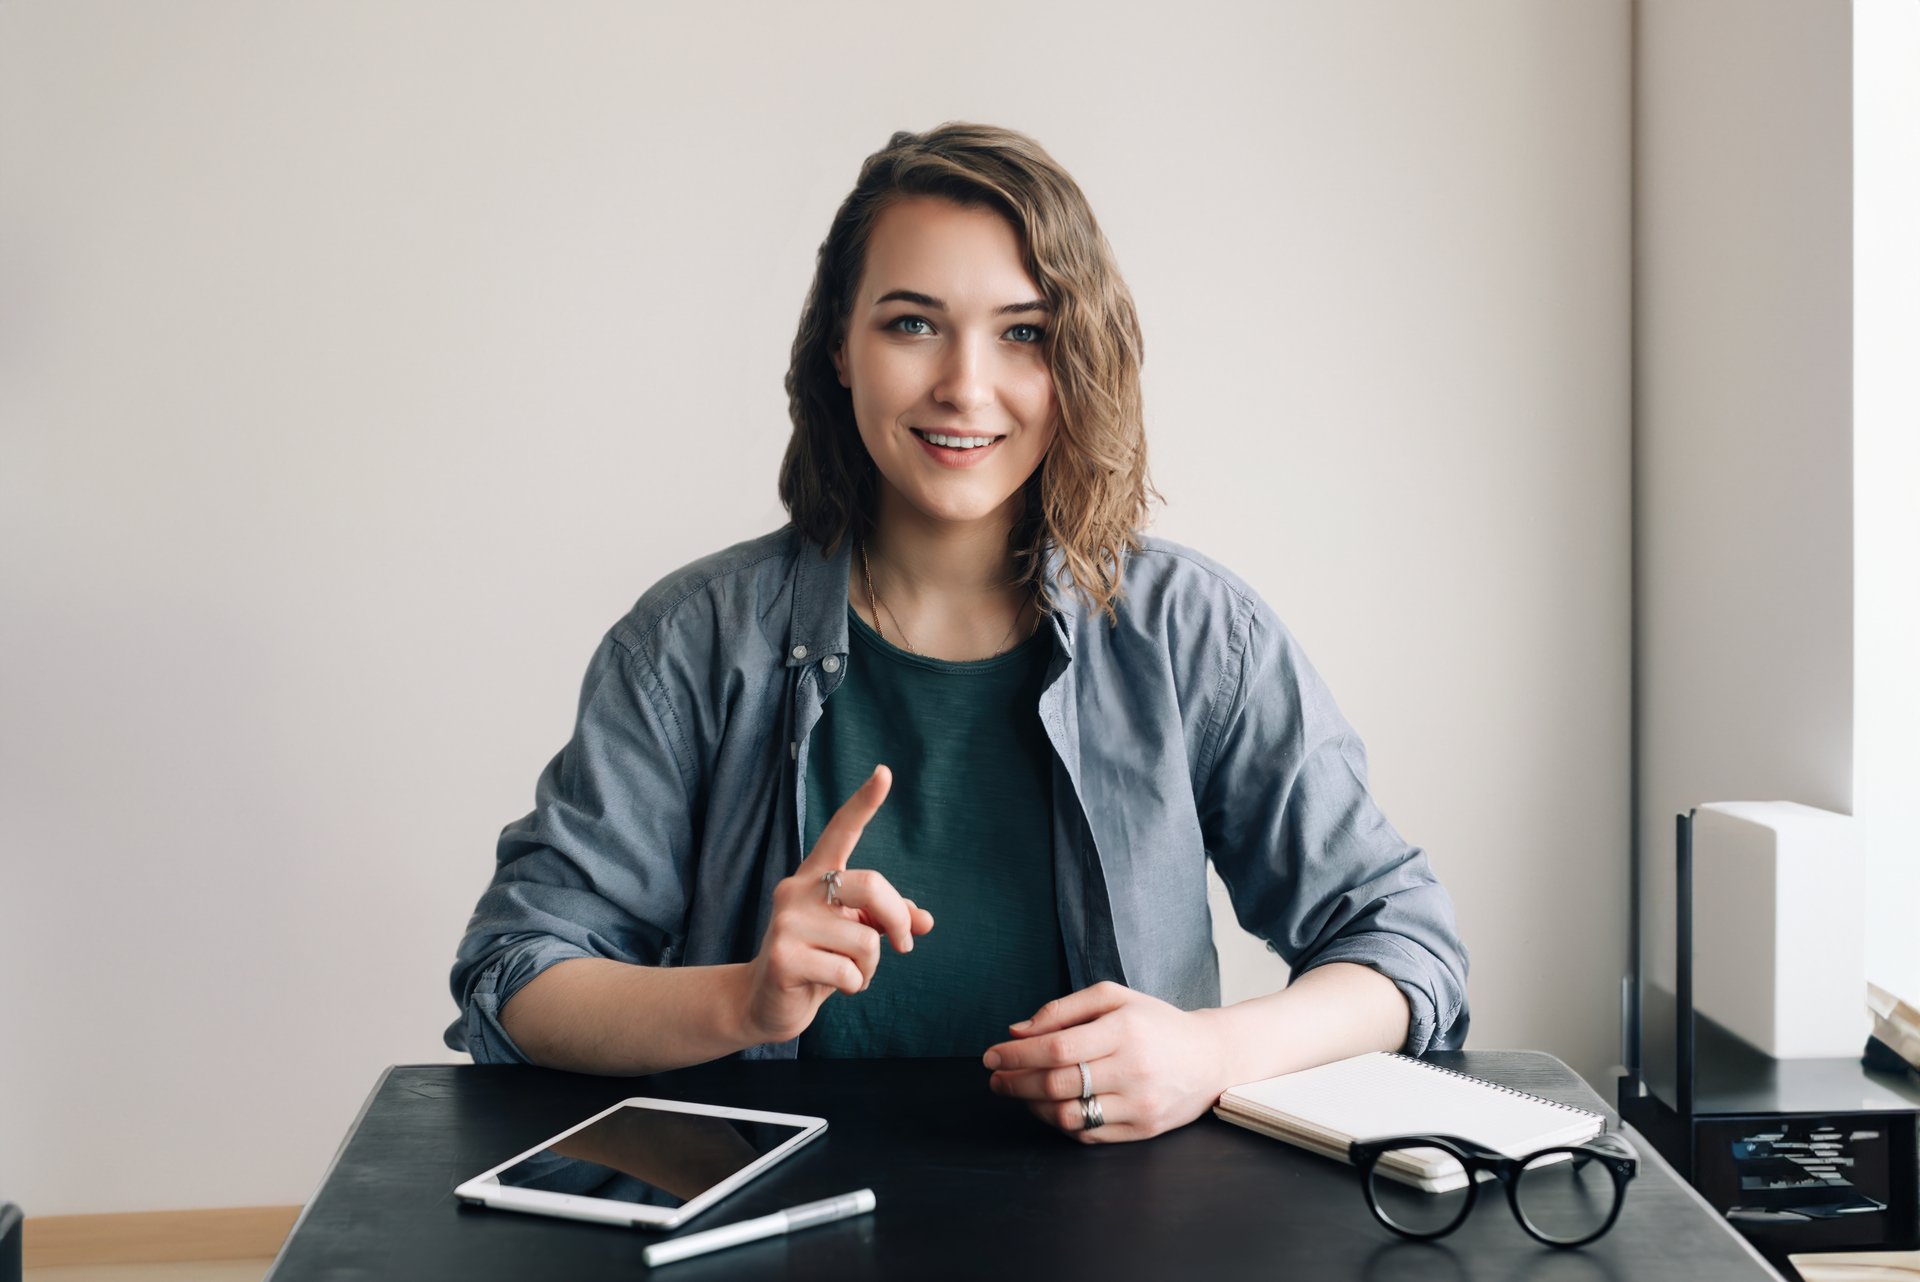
{"x":787,"y":1221}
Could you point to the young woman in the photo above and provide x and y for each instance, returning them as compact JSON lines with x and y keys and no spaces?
{"x":959,"y":688}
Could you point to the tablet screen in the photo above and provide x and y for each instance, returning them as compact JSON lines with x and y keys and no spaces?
{"x":648,"y":1156}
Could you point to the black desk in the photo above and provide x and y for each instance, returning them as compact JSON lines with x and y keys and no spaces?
{"x":969,"y":1185}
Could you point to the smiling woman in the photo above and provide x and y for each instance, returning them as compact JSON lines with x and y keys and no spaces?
{"x":1080,"y":720}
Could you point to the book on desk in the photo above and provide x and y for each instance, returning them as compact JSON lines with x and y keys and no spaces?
{"x":1381,"y":1095}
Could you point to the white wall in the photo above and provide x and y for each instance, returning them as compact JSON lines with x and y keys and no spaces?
{"x":360,"y":363}
{"x":1886,"y":480}
{"x":1744,"y":375}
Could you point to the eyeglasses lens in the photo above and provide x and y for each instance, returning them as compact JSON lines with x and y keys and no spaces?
{"x":1566,"y":1197}
{"x":1422,"y":1191}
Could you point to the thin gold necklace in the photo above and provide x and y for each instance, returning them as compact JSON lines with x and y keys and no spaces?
{"x":875,"y":605}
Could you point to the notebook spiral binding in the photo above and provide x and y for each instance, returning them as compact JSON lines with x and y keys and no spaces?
{"x":1504,"y":1090}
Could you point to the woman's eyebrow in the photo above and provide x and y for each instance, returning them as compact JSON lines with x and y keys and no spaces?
{"x":940,"y":304}
{"x":912,"y":296}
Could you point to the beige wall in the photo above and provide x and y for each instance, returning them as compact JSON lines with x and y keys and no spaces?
{"x":360,"y":363}
{"x":1886,"y":477}
{"x":1778,"y":541}
{"x":1744,"y":471}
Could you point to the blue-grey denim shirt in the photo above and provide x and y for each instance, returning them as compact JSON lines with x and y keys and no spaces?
{"x":1192,"y":729}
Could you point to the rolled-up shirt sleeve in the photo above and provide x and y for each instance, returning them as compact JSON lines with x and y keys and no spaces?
{"x":1312,"y":865}
{"x":601,"y":866}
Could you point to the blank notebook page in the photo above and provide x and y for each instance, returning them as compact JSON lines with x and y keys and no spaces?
{"x":1381,"y":1094}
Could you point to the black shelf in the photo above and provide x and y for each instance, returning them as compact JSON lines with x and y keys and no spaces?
{"x":1724,"y":1112}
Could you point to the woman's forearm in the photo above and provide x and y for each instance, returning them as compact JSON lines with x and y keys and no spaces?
{"x":592,"y":1015}
{"x":1331,"y":1012}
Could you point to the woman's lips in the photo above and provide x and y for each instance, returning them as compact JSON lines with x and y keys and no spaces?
{"x":958,"y":457}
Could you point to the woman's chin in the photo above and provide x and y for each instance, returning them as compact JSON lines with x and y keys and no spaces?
{"x":957,"y":504}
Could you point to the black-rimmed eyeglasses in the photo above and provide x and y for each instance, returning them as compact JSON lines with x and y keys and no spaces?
{"x":1424,"y":1186}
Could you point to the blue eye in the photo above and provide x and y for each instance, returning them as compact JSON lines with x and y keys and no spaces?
{"x":1026,"y":334}
{"x":911,"y":325}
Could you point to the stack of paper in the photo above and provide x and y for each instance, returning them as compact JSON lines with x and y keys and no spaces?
{"x":1896,"y":1024}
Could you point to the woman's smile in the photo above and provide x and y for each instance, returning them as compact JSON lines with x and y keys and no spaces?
{"x":956,"y":449}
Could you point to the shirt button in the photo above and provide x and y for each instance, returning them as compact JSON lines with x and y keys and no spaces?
{"x":831,"y":663}
{"x":799,"y":652}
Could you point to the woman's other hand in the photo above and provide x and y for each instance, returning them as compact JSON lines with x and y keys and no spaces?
{"x":1155,"y":1066}
{"x":813,"y":949}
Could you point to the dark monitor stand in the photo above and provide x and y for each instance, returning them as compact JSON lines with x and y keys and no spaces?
{"x":1799,"y":1155}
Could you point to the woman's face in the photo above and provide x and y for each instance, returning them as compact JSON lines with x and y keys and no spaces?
{"x":946,"y":357}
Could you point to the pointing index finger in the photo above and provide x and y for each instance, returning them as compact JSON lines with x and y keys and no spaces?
{"x":842,"y":833}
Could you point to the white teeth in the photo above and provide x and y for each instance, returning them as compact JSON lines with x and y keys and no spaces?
{"x":958,"y":442}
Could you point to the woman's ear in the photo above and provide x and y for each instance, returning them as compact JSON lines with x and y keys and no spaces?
{"x":840,"y":364}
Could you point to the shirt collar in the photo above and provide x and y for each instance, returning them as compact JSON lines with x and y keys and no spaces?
{"x":819,"y":603}
{"x":1064,"y":607}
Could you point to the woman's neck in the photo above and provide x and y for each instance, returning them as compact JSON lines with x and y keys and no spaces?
{"x":945,"y":589}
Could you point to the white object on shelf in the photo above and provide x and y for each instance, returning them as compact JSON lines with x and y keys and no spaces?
{"x":1779,"y":928}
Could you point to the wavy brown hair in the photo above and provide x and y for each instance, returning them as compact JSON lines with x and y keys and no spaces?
{"x":1088,"y":498}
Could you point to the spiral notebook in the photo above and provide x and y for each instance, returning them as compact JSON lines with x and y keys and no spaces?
{"x":1379,"y":1095}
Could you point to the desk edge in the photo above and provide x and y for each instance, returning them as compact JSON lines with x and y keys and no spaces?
{"x":327,"y":1174}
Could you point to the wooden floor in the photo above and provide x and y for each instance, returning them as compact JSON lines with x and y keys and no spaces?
{"x":176,"y":1271}
{"x":222,"y":1244}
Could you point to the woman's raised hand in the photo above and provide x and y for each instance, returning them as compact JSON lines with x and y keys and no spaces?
{"x":1153,"y":1065}
{"x":813,"y":949}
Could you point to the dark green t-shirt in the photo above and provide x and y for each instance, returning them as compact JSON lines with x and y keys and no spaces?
{"x":966,"y":833}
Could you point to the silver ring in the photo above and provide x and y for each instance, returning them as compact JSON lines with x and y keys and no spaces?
{"x":1091,"y":1118}
{"x":832,"y":878}
{"x":1086,"y":1081}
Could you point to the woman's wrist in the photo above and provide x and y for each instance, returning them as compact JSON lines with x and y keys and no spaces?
{"x":731,"y":1010}
{"x":1238,"y":1034}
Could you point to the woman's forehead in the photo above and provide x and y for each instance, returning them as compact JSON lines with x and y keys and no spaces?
{"x":960,"y":255}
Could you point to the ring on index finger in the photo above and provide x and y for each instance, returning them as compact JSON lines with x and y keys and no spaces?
{"x":1086,"y":1081}
{"x":1091,"y":1118}
{"x":832,"y":878}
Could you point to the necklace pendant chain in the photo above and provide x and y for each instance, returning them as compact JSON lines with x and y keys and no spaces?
{"x":875,"y":605}
{"x":873,"y":601}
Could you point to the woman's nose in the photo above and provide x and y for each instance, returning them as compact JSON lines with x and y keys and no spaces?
{"x":966,"y":382}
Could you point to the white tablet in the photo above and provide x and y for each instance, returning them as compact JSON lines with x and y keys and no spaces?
{"x":644,"y":1162}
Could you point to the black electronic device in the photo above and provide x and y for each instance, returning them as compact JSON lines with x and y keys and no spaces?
{"x":1798,"y":1155}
